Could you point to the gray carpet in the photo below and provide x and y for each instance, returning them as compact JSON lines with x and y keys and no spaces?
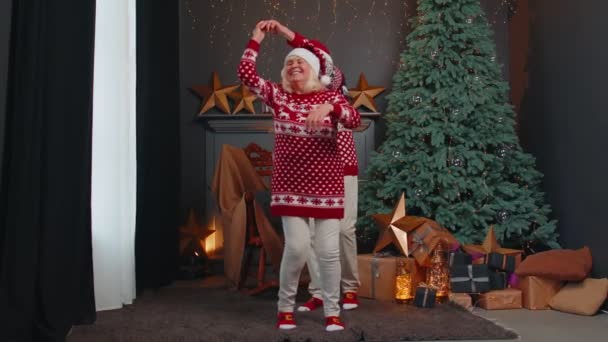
{"x":184,"y":314}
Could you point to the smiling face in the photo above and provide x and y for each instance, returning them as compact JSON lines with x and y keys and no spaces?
{"x":297,"y":70}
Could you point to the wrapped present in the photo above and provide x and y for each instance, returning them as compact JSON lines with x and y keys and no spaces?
{"x":462,"y":299}
{"x":501,"y":299}
{"x":377,"y":276}
{"x":459,"y":258}
{"x":425,"y":296}
{"x":489,"y":245}
{"x":498,"y":280}
{"x":424,"y":239}
{"x":470,"y":278}
{"x":501,"y":262}
{"x":538,"y":292}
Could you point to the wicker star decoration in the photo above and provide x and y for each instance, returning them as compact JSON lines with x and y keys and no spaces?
{"x":364,"y":94}
{"x":193,"y":235}
{"x":244,"y":99}
{"x":395,"y":226}
{"x":214,"y":95}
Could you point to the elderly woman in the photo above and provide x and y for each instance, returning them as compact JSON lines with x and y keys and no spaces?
{"x":307,"y":176}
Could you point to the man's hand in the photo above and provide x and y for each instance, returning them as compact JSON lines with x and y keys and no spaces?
{"x":315,"y":117}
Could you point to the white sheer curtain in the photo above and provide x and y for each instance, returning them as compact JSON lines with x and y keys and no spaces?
{"x":113,"y":197}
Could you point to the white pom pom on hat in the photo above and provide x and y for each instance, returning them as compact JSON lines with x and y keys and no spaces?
{"x":319,"y":59}
{"x":306,"y":55}
{"x":325,"y":80}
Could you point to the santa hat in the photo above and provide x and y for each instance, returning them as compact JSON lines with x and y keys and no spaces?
{"x":317,"y":55}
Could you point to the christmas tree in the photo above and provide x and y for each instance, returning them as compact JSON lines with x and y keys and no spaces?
{"x":451,"y":144}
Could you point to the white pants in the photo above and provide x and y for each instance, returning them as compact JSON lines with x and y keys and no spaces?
{"x":348,"y":245}
{"x":298,"y":242}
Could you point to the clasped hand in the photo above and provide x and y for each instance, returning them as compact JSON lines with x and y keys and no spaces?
{"x":272,"y":26}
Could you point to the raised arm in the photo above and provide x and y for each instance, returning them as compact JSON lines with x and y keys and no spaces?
{"x":247,"y":70}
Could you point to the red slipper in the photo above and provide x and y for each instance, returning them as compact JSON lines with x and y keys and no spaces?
{"x":311,"y":304}
{"x":285,"y":321}
{"x":333,"y":323}
{"x":350,"y":301}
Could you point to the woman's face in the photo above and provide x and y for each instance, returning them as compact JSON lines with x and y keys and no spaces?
{"x":297,"y":70}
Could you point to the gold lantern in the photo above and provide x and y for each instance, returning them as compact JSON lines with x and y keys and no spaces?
{"x":438,"y":274}
{"x":404,"y":289}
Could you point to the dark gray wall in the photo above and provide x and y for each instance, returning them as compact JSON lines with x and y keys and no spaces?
{"x":564,"y":118}
{"x":364,"y":36}
{"x":5,"y":30}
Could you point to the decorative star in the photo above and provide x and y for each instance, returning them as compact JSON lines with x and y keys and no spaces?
{"x":364,"y":94}
{"x":490,"y":244}
{"x":214,"y":95}
{"x":244,"y":99}
{"x":395,"y":226}
{"x":193,"y":235}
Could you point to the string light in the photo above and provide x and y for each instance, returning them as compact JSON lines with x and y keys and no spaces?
{"x":217,"y":18}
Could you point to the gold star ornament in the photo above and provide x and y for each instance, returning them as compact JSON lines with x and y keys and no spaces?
{"x":244,"y":99}
{"x":364,"y":94}
{"x":215,"y":95}
{"x":395,"y":226}
{"x":193,"y":234}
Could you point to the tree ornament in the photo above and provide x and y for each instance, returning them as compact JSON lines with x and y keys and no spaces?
{"x":502,"y":152}
{"x":416,"y":99}
{"x":455,"y":111}
{"x":418,"y":193}
{"x":469,"y":20}
{"x":502,"y":216}
{"x":457,"y":162}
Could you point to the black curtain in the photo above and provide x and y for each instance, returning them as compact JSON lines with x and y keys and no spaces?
{"x":46,"y":276}
{"x":158,"y":152}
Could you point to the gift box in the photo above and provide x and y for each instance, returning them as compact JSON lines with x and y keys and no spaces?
{"x":501,"y":299}
{"x":501,"y":262}
{"x":425,"y":297}
{"x":498,"y":280}
{"x":377,"y":276}
{"x":489,"y":245}
{"x":538,"y":292}
{"x":424,"y":239}
{"x":470,"y":278}
{"x":462,"y":299}
{"x":459,"y":258}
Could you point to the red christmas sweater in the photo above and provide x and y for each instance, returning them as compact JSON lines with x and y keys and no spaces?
{"x":346,"y":141}
{"x":307,"y":173}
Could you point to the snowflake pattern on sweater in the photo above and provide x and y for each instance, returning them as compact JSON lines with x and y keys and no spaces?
{"x":346,"y":141}
{"x":307,"y":176}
